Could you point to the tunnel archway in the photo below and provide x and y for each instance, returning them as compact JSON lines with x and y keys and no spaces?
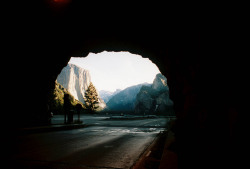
{"x":118,"y":77}
{"x":186,"y":78}
{"x":192,"y":59}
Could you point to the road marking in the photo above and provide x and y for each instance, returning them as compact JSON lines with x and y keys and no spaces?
{"x":148,"y":153}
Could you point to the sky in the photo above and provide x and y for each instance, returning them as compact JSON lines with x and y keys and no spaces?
{"x":117,"y":70}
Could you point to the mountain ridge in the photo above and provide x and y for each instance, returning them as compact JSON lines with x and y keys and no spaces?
{"x":125,"y":99}
{"x":107,"y":95}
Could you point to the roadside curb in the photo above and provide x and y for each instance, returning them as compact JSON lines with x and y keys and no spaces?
{"x":50,"y":128}
{"x":160,"y":154}
{"x":169,"y":159}
{"x":151,"y":157}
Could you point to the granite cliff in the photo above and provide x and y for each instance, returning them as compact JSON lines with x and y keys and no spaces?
{"x":76,"y":80}
{"x":154,"y":99}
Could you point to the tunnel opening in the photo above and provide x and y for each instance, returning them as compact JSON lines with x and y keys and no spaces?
{"x":194,"y":58}
{"x":118,"y":84}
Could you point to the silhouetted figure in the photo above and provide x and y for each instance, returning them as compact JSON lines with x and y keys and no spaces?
{"x":70,"y":116}
{"x":48,"y":114}
{"x":66,"y":107}
{"x":78,"y":110}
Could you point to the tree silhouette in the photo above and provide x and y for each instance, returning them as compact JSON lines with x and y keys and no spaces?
{"x":91,"y":98}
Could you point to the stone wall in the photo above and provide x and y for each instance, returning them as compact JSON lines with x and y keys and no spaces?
{"x":202,"y":65}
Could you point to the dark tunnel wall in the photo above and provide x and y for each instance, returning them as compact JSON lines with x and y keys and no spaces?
{"x":198,"y":61}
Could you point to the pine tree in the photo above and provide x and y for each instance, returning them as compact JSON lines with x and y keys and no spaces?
{"x":91,"y":98}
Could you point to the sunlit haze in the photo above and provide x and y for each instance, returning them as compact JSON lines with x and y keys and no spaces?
{"x":117,"y":70}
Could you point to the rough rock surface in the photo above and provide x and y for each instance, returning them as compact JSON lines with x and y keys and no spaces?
{"x":154,"y":99}
{"x":160,"y":83}
{"x":206,"y":56}
{"x":76,"y":80}
{"x":144,"y":101}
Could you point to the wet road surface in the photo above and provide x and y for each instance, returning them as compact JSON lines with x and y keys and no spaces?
{"x":104,"y":144}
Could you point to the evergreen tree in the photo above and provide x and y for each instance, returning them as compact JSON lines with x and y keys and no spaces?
{"x":91,"y":98}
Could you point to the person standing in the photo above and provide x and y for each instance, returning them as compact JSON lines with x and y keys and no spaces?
{"x":66,"y":107}
{"x":78,"y":110}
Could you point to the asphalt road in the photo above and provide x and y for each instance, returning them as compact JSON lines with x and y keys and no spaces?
{"x":104,"y":144}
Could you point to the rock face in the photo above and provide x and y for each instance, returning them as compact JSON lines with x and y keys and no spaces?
{"x":144,"y":100}
{"x":154,"y":99}
{"x":160,"y":83}
{"x":125,"y":99}
{"x":76,"y":80}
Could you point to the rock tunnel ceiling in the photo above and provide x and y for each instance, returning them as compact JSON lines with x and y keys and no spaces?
{"x":192,"y":59}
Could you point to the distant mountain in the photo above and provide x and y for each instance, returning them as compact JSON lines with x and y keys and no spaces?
{"x":154,"y":99}
{"x":76,"y":81}
{"x":125,"y":99}
{"x":107,"y":95}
